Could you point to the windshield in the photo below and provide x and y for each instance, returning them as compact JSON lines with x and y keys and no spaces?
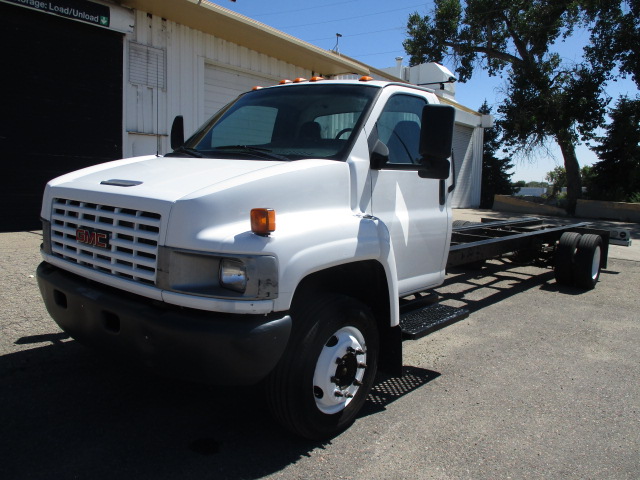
{"x":285,"y":123}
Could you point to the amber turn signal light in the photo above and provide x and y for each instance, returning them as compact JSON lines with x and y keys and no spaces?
{"x":263,"y":221}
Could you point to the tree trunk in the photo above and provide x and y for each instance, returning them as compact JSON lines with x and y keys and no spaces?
{"x":572,"y":167}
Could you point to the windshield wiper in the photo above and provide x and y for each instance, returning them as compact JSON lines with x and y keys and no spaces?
{"x":264,"y":152}
{"x":182,"y":149}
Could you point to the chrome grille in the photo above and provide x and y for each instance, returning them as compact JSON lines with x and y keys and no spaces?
{"x":129,"y":238}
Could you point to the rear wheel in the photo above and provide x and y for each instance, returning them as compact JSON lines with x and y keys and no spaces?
{"x":588,"y":261}
{"x":323,"y":379}
{"x":564,"y":257}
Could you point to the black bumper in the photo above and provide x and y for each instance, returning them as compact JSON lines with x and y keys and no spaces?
{"x":219,"y":349}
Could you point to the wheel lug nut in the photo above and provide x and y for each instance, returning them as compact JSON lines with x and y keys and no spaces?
{"x":340,"y":394}
{"x":362,"y":365}
{"x":357,"y":351}
{"x":357,"y":383}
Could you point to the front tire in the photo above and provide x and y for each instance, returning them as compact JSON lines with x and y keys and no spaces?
{"x":324,"y":377}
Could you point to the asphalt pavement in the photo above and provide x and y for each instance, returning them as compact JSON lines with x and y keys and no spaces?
{"x":540,"y":381}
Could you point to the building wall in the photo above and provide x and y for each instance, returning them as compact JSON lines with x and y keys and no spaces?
{"x":180,"y":59}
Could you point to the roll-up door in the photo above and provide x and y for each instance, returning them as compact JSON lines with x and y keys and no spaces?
{"x":463,"y":157}
{"x":221,"y":85}
{"x":61,"y":105}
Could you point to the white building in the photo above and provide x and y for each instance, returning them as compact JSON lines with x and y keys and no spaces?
{"x":91,"y":81}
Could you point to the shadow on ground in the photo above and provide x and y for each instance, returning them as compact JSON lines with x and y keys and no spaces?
{"x":68,"y":413}
{"x":499,"y":280}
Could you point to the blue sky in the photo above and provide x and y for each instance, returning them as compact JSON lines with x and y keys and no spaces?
{"x":373,"y":31}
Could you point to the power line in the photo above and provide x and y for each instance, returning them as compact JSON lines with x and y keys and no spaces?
{"x":302,"y":9}
{"x":356,"y":34}
{"x":357,"y":55}
{"x":351,"y":18}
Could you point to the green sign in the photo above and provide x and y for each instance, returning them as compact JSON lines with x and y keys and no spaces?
{"x":82,"y":11}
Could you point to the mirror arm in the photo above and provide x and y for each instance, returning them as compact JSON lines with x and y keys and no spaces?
{"x":379,"y":155}
{"x":453,"y":174}
{"x":452,"y":187}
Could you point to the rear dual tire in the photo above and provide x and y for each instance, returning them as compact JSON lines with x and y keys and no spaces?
{"x":578,"y":260}
{"x":588,"y":262}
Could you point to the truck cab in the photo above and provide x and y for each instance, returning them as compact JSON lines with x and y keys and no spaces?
{"x":271,"y":246}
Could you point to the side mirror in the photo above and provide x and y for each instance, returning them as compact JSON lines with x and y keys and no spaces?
{"x":435,"y":168}
{"x":436,"y":140}
{"x":177,"y":132}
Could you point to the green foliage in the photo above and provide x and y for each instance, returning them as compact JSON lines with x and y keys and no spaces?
{"x":588,"y":180}
{"x":547,"y":98}
{"x":557,"y":178}
{"x":496,"y":180}
{"x":615,"y":35}
{"x":616,"y":176}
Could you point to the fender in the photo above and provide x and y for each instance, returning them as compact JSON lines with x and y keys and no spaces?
{"x":361,"y":238}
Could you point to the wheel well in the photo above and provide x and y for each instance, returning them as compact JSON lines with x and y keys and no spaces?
{"x":365,"y":281}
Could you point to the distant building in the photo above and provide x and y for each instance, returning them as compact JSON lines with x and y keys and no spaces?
{"x":531,"y":192}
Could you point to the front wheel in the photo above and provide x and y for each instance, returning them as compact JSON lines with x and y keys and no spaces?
{"x":323,"y":379}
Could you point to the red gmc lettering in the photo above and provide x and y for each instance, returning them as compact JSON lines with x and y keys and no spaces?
{"x":92,"y":238}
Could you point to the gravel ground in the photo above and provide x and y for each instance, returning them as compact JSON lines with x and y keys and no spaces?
{"x":539,"y":382}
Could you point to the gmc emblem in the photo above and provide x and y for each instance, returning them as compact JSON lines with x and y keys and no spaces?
{"x":96,"y":239}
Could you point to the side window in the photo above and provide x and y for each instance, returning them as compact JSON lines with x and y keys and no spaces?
{"x":399,"y":129}
{"x":250,"y":125}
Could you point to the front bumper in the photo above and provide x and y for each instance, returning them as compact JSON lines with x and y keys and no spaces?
{"x":204,"y":346}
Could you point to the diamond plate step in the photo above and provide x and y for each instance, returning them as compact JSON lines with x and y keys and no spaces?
{"x":418,"y":323}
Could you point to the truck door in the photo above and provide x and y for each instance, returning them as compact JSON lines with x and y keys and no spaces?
{"x":407,"y":204}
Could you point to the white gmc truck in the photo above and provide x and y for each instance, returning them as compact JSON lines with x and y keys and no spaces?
{"x":282,"y":244}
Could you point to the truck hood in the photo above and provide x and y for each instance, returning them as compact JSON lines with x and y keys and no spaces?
{"x":159,"y":178}
{"x":204,"y":202}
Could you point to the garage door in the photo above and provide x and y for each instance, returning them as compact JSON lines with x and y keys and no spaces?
{"x":221,"y":85}
{"x":61,"y":102}
{"x":463,"y":155}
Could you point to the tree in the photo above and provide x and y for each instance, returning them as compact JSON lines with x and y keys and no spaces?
{"x":615,"y":35}
{"x":495,"y":177}
{"x":558,"y":180}
{"x":547,"y":98}
{"x":617,"y":175}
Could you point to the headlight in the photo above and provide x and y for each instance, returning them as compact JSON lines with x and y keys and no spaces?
{"x":233,"y":275}
{"x":246,"y":277}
